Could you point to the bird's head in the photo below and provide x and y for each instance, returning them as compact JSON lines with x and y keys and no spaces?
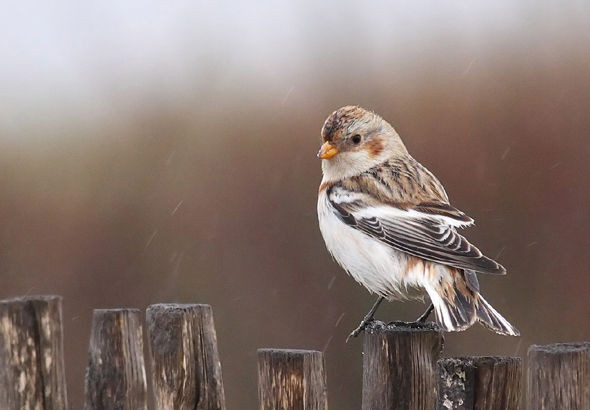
{"x":355,"y":140}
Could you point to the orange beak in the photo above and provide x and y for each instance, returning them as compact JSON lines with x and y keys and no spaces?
{"x":327,"y":151}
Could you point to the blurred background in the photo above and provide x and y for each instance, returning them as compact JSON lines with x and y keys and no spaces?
{"x":165,"y":152}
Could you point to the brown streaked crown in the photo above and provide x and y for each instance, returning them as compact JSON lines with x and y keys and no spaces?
{"x":341,"y":119}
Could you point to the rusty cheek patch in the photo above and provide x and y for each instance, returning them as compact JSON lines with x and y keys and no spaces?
{"x":375,"y":147}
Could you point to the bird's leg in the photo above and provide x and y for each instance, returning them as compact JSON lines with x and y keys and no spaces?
{"x":419,"y":323}
{"x":366,"y":320}
{"x":424,"y":316}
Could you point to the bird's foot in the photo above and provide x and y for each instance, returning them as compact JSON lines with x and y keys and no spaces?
{"x":424,"y":316}
{"x":366,"y":323}
{"x":418,"y":324}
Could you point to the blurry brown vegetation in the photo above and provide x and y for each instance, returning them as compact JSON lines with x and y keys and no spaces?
{"x":205,"y":191}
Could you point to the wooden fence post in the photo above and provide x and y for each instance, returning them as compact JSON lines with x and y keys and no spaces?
{"x":185,"y":361}
{"x":291,"y":380}
{"x":479,"y":383}
{"x":399,"y":368}
{"x":31,"y":354}
{"x":115,"y":377}
{"x":559,"y":376}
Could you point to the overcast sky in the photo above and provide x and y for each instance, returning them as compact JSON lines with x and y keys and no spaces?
{"x":70,"y":55}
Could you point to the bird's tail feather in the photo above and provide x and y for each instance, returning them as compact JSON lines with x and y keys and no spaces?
{"x":490,"y":318}
{"x":454,"y":302}
{"x":457,"y":305}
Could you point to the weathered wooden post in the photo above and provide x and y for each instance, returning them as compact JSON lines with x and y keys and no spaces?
{"x":479,"y":383}
{"x":399,"y":368}
{"x":115,"y":377}
{"x":291,"y":380}
{"x":186,"y":372}
{"x":559,"y":376}
{"x":31,"y":354}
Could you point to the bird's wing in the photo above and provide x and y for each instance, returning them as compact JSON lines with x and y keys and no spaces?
{"x":426,"y":230}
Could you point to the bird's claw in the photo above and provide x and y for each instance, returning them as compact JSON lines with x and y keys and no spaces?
{"x":414,"y":325}
{"x":354,"y":333}
{"x":365,"y":324}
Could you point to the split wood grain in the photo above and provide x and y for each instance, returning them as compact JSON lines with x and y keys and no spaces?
{"x":32,"y":372}
{"x":479,"y":383}
{"x":400,"y":368}
{"x":559,"y":376}
{"x":186,"y":371}
{"x":115,"y":376}
{"x":291,"y":380}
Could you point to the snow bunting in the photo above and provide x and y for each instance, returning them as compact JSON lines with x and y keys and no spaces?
{"x":387,"y":221}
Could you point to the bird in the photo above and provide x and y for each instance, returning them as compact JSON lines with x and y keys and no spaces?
{"x":388,"y":222}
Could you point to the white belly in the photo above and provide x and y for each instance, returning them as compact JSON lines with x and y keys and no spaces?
{"x":378,"y":267}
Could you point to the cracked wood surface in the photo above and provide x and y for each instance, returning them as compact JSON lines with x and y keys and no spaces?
{"x":399,"y":368}
{"x":559,"y":376}
{"x":291,"y":379}
{"x":31,"y":354}
{"x":115,"y":376}
{"x":479,"y":383}
{"x":186,"y":371}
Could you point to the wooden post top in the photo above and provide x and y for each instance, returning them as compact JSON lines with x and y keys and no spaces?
{"x":558,"y":348}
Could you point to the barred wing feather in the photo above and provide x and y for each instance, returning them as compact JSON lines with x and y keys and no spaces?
{"x":426,"y":231}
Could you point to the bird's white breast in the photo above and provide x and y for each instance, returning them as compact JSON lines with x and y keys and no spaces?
{"x":375,"y":265}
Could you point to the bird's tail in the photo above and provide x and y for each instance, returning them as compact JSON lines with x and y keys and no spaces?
{"x":490,"y":318}
{"x":458,"y":304}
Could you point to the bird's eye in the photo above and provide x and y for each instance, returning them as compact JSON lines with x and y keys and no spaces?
{"x":356,"y":139}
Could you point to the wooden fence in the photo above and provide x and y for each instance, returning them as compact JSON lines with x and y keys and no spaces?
{"x":402,"y":368}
